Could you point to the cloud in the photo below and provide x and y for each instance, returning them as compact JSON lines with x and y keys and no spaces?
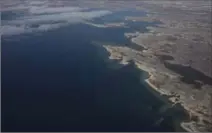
{"x":46,"y":27}
{"x":16,"y":30}
{"x":15,"y":8}
{"x":46,"y":18}
{"x":49,"y":10}
{"x":67,"y":16}
{"x":61,"y":17}
{"x":12,"y":30}
{"x":37,"y":3}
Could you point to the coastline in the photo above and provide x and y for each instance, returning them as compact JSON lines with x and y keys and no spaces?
{"x":166,"y":96}
{"x":162,"y":94}
{"x":170,"y":61}
{"x":145,"y":80}
{"x":176,"y":41}
{"x":179,"y":127}
{"x":117,"y":63}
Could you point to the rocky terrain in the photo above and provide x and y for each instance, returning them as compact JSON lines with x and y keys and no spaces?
{"x":177,"y":55}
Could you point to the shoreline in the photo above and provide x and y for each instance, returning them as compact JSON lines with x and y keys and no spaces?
{"x":161,"y":96}
{"x":145,"y":77}
{"x":147,"y":73}
{"x":177,"y":38}
{"x":120,"y":60}
{"x":182,"y":125}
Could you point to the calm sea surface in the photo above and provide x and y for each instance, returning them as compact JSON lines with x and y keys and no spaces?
{"x":56,"y":81}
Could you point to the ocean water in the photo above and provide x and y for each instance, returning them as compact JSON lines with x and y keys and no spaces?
{"x":56,"y":81}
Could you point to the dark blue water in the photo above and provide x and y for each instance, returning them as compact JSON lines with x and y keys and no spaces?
{"x":13,"y":14}
{"x":119,"y":16}
{"x":56,"y":81}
